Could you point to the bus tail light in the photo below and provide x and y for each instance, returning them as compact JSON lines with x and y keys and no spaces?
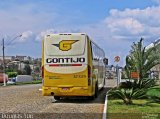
{"x":89,"y":71}
{"x":89,"y":75}
{"x":42,"y":72}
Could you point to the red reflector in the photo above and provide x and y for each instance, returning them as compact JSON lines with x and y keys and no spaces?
{"x":63,"y":65}
{"x":76,"y":64}
{"x":54,"y":65}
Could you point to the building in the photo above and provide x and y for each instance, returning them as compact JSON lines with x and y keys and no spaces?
{"x":155,"y":71}
{"x":11,"y":61}
{"x":21,"y":58}
{"x":17,"y":57}
{"x":110,"y":72}
{"x":20,"y":65}
{"x":7,"y":59}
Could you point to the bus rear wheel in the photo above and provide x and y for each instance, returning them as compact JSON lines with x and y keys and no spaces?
{"x":95,"y":93}
{"x":57,"y":97}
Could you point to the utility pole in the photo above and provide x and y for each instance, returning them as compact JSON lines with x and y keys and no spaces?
{"x":4,"y":66}
{"x":4,"y":75}
{"x":117,"y":59}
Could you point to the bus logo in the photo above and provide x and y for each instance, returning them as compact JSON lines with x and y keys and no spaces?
{"x":65,"y":45}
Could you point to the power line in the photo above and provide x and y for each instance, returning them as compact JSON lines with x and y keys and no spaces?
{"x":13,"y":39}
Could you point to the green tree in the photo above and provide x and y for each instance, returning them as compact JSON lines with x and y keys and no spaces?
{"x":26,"y":62}
{"x":141,"y":59}
{"x":27,"y":69}
{"x":12,"y":68}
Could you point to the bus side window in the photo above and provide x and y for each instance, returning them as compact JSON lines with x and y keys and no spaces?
{"x":91,"y":49}
{"x":95,"y":58}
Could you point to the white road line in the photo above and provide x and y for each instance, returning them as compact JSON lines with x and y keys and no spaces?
{"x":105,"y":108}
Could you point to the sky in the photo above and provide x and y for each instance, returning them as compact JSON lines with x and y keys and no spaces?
{"x":113,"y":24}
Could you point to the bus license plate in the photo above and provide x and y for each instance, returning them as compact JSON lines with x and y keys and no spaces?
{"x":65,"y":88}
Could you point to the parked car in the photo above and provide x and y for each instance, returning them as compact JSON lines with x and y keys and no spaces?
{"x":10,"y":82}
{"x":2,"y":75}
{"x":24,"y":78}
{"x":14,"y":79}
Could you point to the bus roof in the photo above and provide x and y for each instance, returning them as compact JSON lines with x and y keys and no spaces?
{"x":65,"y":34}
{"x":52,"y":34}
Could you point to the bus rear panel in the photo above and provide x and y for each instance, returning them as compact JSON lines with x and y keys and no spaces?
{"x":65,"y":65}
{"x":68,"y":65}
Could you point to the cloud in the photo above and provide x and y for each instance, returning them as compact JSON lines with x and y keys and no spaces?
{"x":116,"y":33}
{"x":129,"y":26}
{"x":156,"y":1}
{"x":19,"y":38}
{"x":41,"y":34}
{"x":126,"y":25}
{"x":134,"y":22}
{"x":27,"y":35}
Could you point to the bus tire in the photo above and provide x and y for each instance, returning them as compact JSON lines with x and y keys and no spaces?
{"x":95,"y":93}
{"x":56,"y":97}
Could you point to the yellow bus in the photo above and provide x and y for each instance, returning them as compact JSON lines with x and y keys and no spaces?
{"x":72,"y":65}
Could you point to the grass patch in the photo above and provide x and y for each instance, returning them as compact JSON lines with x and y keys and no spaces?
{"x":33,"y":82}
{"x":118,"y":110}
{"x":155,"y":91}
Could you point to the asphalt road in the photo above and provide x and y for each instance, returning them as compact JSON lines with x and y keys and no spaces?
{"x":28,"y":101}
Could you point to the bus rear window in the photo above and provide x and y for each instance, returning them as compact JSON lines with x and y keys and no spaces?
{"x":65,"y":45}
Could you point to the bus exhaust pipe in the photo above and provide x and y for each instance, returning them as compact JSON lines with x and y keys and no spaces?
{"x":52,"y":93}
{"x":53,"y":99}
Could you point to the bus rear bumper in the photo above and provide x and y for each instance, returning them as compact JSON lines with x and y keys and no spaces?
{"x":64,"y":91}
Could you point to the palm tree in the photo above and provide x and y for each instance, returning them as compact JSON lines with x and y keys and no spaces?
{"x":141,"y":59}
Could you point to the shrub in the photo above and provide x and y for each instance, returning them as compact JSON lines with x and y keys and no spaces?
{"x":129,"y":90}
{"x":138,"y":84}
{"x":127,"y":95}
{"x":154,"y":95}
{"x":12,"y":74}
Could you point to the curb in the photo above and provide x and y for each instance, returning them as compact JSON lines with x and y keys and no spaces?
{"x":105,"y":108}
{"x":105,"y":105}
